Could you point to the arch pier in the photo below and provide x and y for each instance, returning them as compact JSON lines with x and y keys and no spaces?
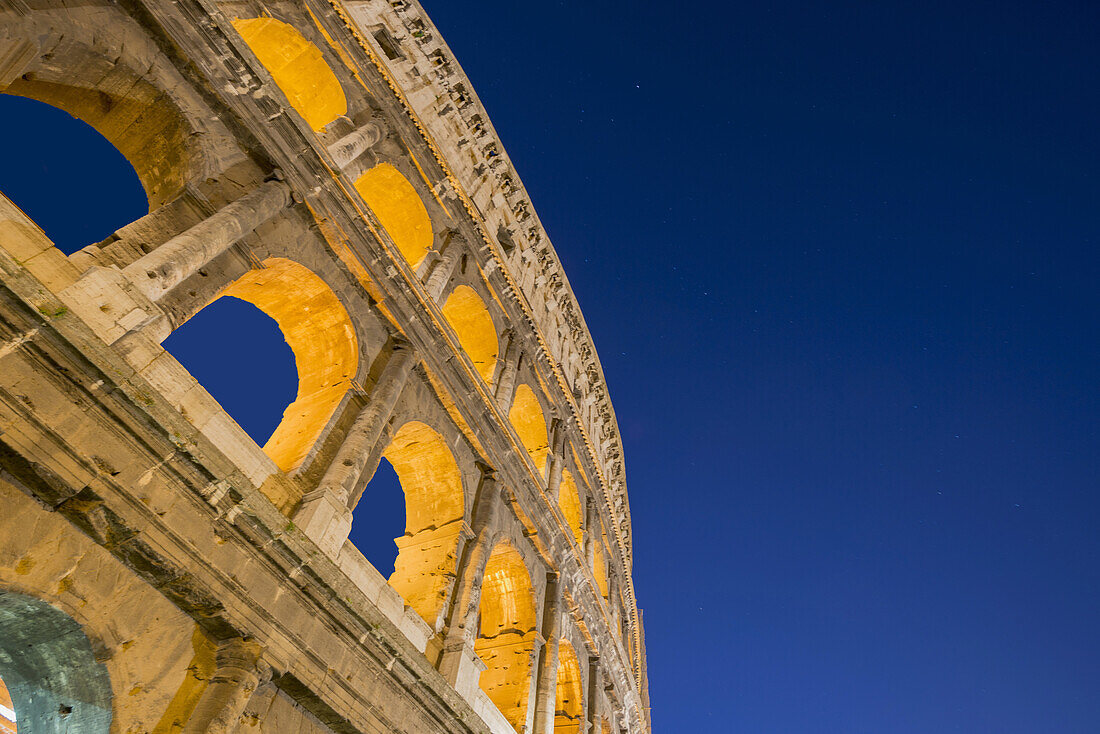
{"x":328,"y":162}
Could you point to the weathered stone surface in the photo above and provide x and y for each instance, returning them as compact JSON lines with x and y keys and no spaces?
{"x":329,"y":162}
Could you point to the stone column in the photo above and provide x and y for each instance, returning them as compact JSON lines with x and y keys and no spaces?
{"x":237,"y":675}
{"x":443,"y":270}
{"x":546,"y":690}
{"x":595,"y":714}
{"x":556,"y":462}
{"x":459,"y":663}
{"x":178,"y":258}
{"x":351,"y":146}
{"x":325,"y":513}
{"x":506,"y":381}
{"x":131,"y":242}
{"x":591,"y":523}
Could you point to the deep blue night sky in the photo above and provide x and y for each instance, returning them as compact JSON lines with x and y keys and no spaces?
{"x":839,"y":261}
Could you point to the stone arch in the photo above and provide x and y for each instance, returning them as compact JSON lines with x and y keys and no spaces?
{"x":569,"y":500}
{"x":98,"y":65}
{"x":468,"y":316}
{"x":145,"y":642}
{"x":507,"y":622}
{"x":50,"y":669}
{"x":400,"y":210}
{"x":569,"y":706}
{"x":298,"y":68}
{"x":530,"y":423}
{"x":80,"y":157}
{"x":326,"y":353}
{"x":434,"y":513}
{"x":155,"y":147}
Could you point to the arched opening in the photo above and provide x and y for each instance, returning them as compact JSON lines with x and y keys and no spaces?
{"x":298,"y":67}
{"x":59,"y":156}
{"x":312,"y":331}
{"x":322,"y":339}
{"x":139,"y":119}
{"x":434,"y":510}
{"x":374,"y":532}
{"x":569,"y":500}
{"x":50,"y":671}
{"x":527,"y":418}
{"x":468,"y":316}
{"x":569,"y":710}
{"x":398,"y":207}
{"x":506,"y":633}
{"x":237,"y":353}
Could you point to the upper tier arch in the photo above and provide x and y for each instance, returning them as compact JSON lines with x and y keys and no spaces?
{"x":298,"y":67}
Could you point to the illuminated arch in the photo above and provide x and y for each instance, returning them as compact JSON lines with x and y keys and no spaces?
{"x":599,"y":569}
{"x":568,"y":711}
{"x":400,"y":210}
{"x":326,"y":353}
{"x":506,"y":633}
{"x":434,"y":510}
{"x":527,"y":418}
{"x":298,"y":67}
{"x":466,"y":313}
{"x":569,"y":500}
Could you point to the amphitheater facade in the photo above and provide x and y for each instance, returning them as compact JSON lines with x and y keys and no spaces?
{"x":329,"y":162}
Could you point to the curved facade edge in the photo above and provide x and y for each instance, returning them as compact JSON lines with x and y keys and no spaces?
{"x":453,"y":119}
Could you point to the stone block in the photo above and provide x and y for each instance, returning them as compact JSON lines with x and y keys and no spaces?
{"x":326,"y":519}
{"x":52,"y":269}
{"x":19,"y":236}
{"x":108,"y":303}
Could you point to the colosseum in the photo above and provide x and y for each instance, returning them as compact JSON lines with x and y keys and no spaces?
{"x":328,"y":162}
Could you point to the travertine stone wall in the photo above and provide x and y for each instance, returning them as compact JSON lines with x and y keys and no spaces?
{"x":328,"y":162}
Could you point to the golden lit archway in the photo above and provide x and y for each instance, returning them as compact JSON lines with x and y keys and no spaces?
{"x":599,"y":568}
{"x":527,"y":418}
{"x":569,"y":501}
{"x":298,"y":67}
{"x":400,"y":210}
{"x":506,"y":633}
{"x":471,"y":321}
{"x":568,"y":711}
{"x":434,"y":508}
{"x":326,"y":352}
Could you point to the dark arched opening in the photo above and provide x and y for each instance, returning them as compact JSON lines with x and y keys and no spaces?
{"x":50,"y":670}
{"x":66,"y":176}
{"x":240,"y":356}
{"x":380,"y":519}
